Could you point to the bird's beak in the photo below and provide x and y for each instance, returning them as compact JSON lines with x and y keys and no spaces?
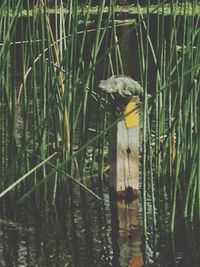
{"x":102,"y":85}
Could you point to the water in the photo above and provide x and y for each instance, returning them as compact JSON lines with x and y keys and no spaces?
{"x":85,"y":232}
{"x":80,"y":232}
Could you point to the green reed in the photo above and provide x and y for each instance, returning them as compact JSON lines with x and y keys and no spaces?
{"x":172,"y":114}
{"x":46,"y":111}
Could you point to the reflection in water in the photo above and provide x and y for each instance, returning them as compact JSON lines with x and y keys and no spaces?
{"x":55,"y":236}
{"x":181,"y":249}
{"x":84,"y":232}
{"x":80,"y":234}
{"x":126,"y":234}
{"x":129,"y":234}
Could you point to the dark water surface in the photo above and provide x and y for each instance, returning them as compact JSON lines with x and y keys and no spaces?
{"x":82,"y":232}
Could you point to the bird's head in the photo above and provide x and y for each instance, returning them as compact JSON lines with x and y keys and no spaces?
{"x":108,"y":86}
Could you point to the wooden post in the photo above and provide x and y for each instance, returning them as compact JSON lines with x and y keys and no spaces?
{"x":124,"y":156}
{"x":126,"y":166}
{"x":127,"y":157}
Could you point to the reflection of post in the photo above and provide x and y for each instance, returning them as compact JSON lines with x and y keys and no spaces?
{"x":129,"y":239}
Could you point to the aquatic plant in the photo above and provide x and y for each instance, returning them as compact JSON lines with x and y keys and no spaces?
{"x":50,"y":70}
{"x":170,"y":118}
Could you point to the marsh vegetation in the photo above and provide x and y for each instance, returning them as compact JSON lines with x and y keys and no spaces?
{"x":55,"y":129}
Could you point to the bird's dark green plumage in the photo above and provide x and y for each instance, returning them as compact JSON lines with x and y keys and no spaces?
{"x":122,"y":86}
{"x":122,"y":90}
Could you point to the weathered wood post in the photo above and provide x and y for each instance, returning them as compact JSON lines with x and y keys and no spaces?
{"x":124,"y":142}
{"x":124,"y":165}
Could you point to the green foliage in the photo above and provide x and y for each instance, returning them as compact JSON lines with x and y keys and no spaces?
{"x":171,"y":117}
{"x":50,"y":70}
{"x":47,"y":108}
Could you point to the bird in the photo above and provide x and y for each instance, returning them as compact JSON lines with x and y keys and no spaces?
{"x":122,"y":90}
{"x":121,"y":85}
